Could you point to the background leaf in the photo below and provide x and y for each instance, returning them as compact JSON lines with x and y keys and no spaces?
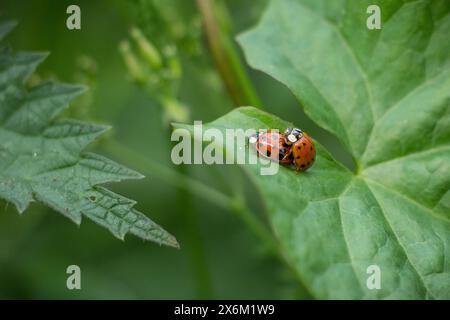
{"x":386,"y":95}
{"x":42,"y":159}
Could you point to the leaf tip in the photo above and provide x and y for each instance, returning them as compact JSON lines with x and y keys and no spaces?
{"x":139,"y":175}
{"x":42,"y":55}
{"x":171,"y":241}
{"x":6,"y":27}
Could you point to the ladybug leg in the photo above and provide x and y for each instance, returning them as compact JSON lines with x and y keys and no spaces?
{"x":286,"y":158}
{"x":287,"y":155}
{"x":297,"y":169}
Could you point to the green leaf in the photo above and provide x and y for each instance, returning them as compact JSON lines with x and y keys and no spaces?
{"x":42,"y":158}
{"x":386,"y":95}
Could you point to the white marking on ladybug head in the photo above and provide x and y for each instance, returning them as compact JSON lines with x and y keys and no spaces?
{"x":252,"y":140}
{"x":292,"y":138}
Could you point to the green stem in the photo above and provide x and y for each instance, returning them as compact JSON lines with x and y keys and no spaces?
{"x":226,"y":58}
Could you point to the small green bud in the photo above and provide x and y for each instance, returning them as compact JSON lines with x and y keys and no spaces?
{"x":148,"y":52}
{"x":131,"y":61}
{"x":173,"y":62}
{"x":174,"y":110}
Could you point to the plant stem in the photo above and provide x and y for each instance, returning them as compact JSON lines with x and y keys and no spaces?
{"x":226,"y":58}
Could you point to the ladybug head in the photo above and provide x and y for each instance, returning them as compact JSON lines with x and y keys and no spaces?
{"x":292,"y":135}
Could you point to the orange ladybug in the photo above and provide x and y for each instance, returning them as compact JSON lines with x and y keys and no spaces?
{"x":272,"y":145}
{"x":303,"y":152}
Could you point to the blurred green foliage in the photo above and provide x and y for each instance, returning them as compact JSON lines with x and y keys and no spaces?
{"x":219,"y":256}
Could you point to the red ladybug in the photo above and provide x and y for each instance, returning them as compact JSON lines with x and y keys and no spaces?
{"x":292,"y":147}
{"x":271,"y":145}
{"x":302,"y":148}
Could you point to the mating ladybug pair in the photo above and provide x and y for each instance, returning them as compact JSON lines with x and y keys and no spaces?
{"x":291,"y":147}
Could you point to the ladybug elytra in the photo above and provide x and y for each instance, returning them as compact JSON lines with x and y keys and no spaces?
{"x":302,"y":148}
{"x":271,"y":145}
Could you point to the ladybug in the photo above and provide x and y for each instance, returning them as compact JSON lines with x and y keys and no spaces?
{"x":303,"y":152}
{"x":291,"y":147}
{"x":272,"y":145}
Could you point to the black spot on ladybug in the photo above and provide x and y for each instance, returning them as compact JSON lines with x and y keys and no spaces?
{"x":302,"y":166}
{"x":299,"y":147}
{"x":304,"y":143}
{"x":268,"y":153}
{"x":310,"y":148}
{"x":297,"y":157}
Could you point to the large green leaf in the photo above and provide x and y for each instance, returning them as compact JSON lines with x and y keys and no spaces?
{"x":386,"y":95}
{"x":42,"y":159}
